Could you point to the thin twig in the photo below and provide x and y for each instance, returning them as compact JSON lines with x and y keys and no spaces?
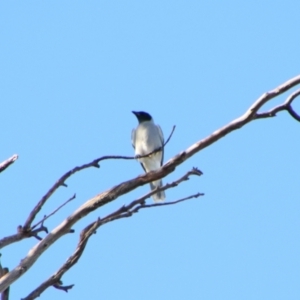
{"x":23,"y":233}
{"x":64,"y":288}
{"x":55,"y":211}
{"x":167,"y":203}
{"x":141,"y":200}
{"x":126,"y":212}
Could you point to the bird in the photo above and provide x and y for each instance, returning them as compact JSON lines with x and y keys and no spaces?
{"x":146,"y":138}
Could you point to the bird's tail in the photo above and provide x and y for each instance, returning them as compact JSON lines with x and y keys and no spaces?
{"x":159,"y":196}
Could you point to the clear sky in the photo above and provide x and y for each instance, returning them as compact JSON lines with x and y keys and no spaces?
{"x":71,"y":72}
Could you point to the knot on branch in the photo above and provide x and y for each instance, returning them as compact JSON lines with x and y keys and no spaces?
{"x":30,"y":232}
{"x":287,"y":106}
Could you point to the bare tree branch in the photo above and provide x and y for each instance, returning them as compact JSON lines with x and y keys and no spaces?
{"x":54,"y":280}
{"x":5,"y":164}
{"x":127,"y":186}
{"x":22,"y":234}
{"x":287,"y":105}
{"x":142,"y":199}
{"x":55,"y":211}
{"x":26,"y":232}
{"x":124,"y":212}
{"x":94,"y":163}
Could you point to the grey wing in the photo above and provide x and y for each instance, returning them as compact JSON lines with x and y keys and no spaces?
{"x":133,"y":145}
{"x":161,"y":136}
{"x":133,"y":138}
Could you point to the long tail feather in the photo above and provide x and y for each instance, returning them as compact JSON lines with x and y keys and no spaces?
{"x":159,"y":196}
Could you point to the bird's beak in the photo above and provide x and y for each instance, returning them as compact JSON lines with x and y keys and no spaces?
{"x":135,"y":113}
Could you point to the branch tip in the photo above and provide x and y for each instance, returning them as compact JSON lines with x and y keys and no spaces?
{"x":196,"y":171}
{"x":6,"y":163}
{"x":51,"y":214}
{"x":65,"y":288}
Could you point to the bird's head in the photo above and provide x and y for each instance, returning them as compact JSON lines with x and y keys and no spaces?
{"x":142,"y":116}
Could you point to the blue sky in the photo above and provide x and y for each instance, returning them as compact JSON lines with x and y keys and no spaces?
{"x":72,"y":72}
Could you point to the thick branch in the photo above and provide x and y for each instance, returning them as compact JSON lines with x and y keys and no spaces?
{"x":5,"y":164}
{"x":127,"y":186}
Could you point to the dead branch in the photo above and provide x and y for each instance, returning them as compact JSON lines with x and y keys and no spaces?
{"x":54,"y":280}
{"x":94,"y":163}
{"x":127,"y":186}
{"x":125,"y":212}
{"x":142,"y":199}
{"x":55,"y":211}
{"x":287,"y":105}
{"x":22,"y":234}
{"x":88,"y":231}
{"x":5,"y":164}
{"x":26,"y":232}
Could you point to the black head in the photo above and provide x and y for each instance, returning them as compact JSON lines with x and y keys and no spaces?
{"x":142,"y":116}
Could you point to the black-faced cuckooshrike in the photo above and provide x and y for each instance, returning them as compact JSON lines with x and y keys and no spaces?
{"x":146,"y":138}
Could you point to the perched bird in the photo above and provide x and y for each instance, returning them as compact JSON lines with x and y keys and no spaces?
{"x":146,"y":138}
